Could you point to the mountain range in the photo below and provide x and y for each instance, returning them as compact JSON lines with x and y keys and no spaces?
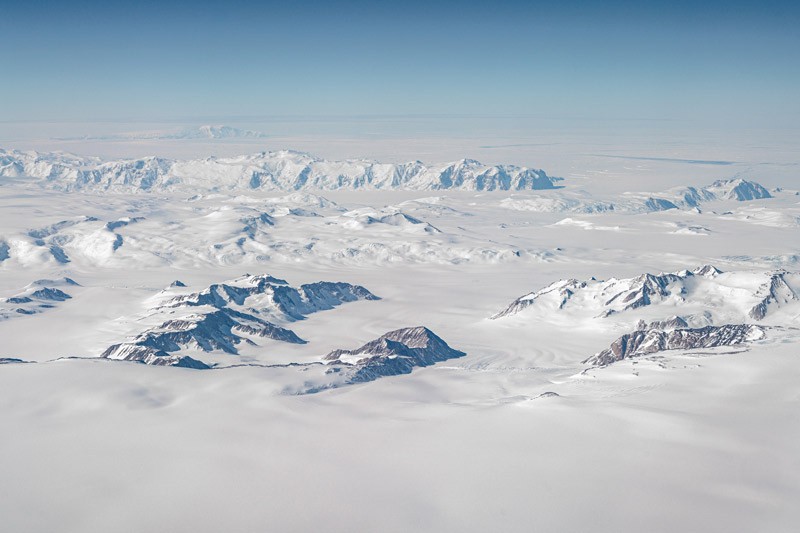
{"x":282,"y":170}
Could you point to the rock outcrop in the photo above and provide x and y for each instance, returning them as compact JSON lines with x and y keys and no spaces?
{"x":650,"y":341}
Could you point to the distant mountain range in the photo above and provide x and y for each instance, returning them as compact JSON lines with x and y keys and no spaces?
{"x":737,"y":189}
{"x":281,"y":170}
{"x":200,"y":132}
{"x":288,"y":170}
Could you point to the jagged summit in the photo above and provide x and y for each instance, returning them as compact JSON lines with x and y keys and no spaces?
{"x":707,"y":271}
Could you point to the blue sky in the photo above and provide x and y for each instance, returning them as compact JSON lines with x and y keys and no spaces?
{"x":190,"y":60}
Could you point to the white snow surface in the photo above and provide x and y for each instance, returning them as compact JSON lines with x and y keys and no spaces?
{"x":517,"y":435}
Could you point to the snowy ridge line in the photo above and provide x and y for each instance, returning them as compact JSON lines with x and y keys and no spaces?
{"x":740,"y":295}
{"x":282,"y":170}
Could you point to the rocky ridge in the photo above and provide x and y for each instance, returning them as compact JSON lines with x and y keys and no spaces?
{"x":223,"y":315}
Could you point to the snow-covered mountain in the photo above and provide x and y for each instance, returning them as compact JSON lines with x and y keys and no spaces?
{"x":736,"y":189}
{"x":37,"y":297}
{"x":224,"y":315}
{"x":215,"y":132}
{"x":273,"y":296}
{"x":653,"y":340}
{"x":394,"y":353}
{"x":207,"y":131}
{"x":282,"y":170}
{"x":730,"y":189}
{"x":391,"y":354}
{"x":148,"y":355}
{"x":706,"y":292}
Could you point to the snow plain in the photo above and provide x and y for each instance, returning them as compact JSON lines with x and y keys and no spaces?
{"x":518,"y":435}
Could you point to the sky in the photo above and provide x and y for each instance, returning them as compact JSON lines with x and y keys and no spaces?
{"x":168,"y":60}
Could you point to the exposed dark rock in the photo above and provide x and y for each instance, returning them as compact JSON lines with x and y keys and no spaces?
{"x":291,"y":302}
{"x":237,"y":311}
{"x":645,"y":342}
{"x":219,"y":330}
{"x":11,"y":361}
{"x":55,"y":295}
{"x":776,"y":291}
{"x":151,"y":356}
{"x":59,"y":254}
{"x":396,"y":352}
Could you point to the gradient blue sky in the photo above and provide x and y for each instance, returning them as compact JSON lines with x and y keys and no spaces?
{"x":191,"y":60}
